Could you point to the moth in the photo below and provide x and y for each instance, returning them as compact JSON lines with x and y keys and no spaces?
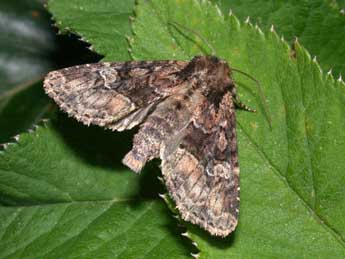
{"x":185,"y":111}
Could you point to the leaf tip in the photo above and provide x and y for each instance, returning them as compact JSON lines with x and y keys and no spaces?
{"x":185,"y":234}
{"x":220,"y":13}
{"x":176,"y":217}
{"x":272,"y":28}
{"x":258,"y":29}
{"x":16,"y":138}
{"x":160,"y":179}
{"x":234,"y":21}
{"x":196,"y":256}
{"x":163,"y":196}
{"x":3,"y":146}
{"x":296,"y":40}
{"x":340,"y":79}
{"x":130,"y":40}
{"x":45,"y":121}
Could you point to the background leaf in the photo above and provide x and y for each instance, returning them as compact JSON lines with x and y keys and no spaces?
{"x":26,"y":44}
{"x":318,"y":24}
{"x":291,"y":177}
{"x":29,"y":49}
{"x":104,"y":24}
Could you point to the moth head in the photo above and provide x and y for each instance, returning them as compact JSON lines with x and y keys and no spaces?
{"x":212,"y":66}
{"x":213,"y":74}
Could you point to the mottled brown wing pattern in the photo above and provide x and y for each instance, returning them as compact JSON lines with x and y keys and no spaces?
{"x":115,"y":95}
{"x":202,"y":173}
{"x":187,"y":118}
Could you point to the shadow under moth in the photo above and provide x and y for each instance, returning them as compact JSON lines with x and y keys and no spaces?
{"x":186,"y":114}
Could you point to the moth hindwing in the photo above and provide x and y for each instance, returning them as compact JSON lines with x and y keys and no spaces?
{"x":186,"y":114}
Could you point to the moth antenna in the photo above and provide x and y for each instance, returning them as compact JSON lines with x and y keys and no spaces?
{"x":175,"y":24}
{"x":261,"y":93}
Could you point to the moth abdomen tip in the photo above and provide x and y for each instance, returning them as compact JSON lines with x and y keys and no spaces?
{"x":133,"y":163}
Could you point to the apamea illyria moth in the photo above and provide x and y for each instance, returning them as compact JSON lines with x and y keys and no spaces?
{"x":186,"y":114}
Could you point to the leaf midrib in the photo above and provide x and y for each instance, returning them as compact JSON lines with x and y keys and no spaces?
{"x":114,"y":200}
{"x":125,"y":230}
{"x":111,"y":202}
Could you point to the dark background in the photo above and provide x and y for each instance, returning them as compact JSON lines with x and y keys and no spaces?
{"x":30,"y":47}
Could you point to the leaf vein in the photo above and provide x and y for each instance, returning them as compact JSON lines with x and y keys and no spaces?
{"x":121,"y":233}
{"x":278,"y":173}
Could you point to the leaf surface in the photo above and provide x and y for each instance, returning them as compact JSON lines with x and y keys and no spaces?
{"x":291,"y":176}
{"x":64,"y":194}
{"x":318,"y":24}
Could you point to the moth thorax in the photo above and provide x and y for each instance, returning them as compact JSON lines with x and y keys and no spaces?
{"x":217,"y":83}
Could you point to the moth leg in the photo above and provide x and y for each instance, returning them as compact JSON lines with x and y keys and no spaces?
{"x":169,"y":117}
{"x":242,"y":106}
{"x":238,"y":102}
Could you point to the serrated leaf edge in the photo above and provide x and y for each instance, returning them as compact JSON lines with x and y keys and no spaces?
{"x":15,"y":140}
{"x":66,"y":29}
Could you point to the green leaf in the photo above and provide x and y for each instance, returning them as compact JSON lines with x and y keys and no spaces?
{"x":318,"y":24}
{"x":104,"y":24}
{"x":338,"y":4}
{"x":65,"y":194}
{"x":291,"y":176}
{"x":26,"y":46}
